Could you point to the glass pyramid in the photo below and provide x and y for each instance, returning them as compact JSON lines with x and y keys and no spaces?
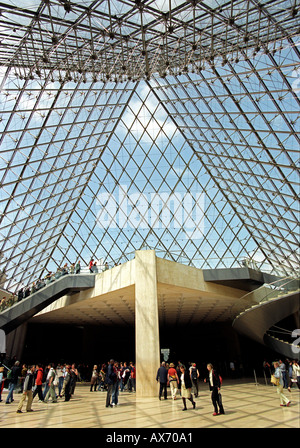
{"x":170,"y":125}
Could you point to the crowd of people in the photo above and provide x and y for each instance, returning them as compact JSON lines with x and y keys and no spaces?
{"x":184,"y":380}
{"x":40,"y":283}
{"x":289,"y":372}
{"x":46,"y":382}
{"x":116,"y":377}
{"x":58,"y":382}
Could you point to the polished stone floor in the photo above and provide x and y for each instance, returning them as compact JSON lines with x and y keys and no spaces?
{"x":246,"y":404}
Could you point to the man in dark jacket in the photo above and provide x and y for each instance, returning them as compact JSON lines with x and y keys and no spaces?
{"x":111,"y":378}
{"x":27,"y":391}
{"x":162,"y":377}
{"x":13,"y":376}
{"x":215,"y":386}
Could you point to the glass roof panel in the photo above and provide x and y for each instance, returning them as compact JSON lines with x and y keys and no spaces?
{"x":148,"y":124}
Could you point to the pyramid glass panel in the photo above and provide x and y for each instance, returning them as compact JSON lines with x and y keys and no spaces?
{"x":169,"y":125}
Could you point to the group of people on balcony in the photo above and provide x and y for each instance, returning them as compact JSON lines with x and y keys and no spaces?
{"x":75,"y":268}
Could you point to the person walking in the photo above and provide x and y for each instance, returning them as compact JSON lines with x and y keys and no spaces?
{"x":39,"y":382}
{"x":173,"y":380}
{"x":194,"y":373}
{"x":215,"y":386}
{"x":284,"y":401}
{"x":186,"y":387}
{"x":13,"y":376}
{"x":162,"y":378}
{"x":27,"y":391}
{"x":51,"y":390}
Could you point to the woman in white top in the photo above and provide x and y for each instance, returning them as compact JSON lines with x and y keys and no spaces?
{"x":94,"y":379}
{"x":186,"y":388}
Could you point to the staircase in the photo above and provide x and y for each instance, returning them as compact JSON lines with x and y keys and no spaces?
{"x":21,"y":311}
{"x":272,"y":303}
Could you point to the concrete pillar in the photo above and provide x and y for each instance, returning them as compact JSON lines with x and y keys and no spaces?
{"x":15,"y":341}
{"x":147,"y":345}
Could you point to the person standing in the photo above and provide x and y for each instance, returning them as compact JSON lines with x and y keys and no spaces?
{"x":74,"y":377}
{"x":102,"y":375}
{"x":94,"y":378}
{"x":111,"y":378}
{"x":115,"y":391}
{"x":162,"y":377}
{"x":27,"y":391}
{"x":125,"y":377}
{"x":282,"y":367}
{"x":67,"y":383}
{"x":2,"y":379}
{"x":60,"y":369}
{"x":294,"y":374}
{"x":77,"y":267}
{"x":267,"y":369}
{"x":45,"y":380}
{"x":284,"y":401}
{"x":132,"y":378}
{"x":91,"y":264}
{"x":173,"y":381}
{"x":215,"y":386}
{"x":24,"y":371}
{"x":186,"y":387}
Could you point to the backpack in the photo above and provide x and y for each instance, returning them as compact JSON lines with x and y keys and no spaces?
{"x":220,"y":379}
{"x":194,"y":373}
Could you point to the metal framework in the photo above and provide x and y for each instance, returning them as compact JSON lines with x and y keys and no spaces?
{"x":112,"y":109}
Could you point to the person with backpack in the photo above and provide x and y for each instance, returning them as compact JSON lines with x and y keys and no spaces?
{"x":13,"y":377}
{"x":214,"y":380}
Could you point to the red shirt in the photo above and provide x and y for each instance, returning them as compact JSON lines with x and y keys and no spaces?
{"x":172,"y":372}
{"x":39,"y":377}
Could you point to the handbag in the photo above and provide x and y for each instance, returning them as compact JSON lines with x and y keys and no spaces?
{"x":275,"y":380}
